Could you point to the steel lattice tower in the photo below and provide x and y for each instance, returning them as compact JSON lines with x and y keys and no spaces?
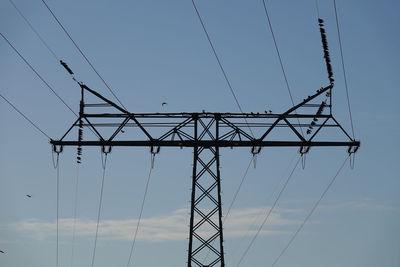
{"x":206,"y":133}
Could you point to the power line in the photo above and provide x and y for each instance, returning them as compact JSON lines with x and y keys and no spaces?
{"x":317,"y":7}
{"x":268,"y":214}
{"x":75,"y":212}
{"x":344,"y":69}
{"x":140,"y":216}
{"x":310,"y":213}
{"x":238,"y":189}
{"x":220,"y":64}
{"x":280,"y":60}
{"x":233,"y":200}
{"x":37,"y":74}
{"x":34,"y":30}
{"x":45,"y":44}
{"x":58,"y":205}
{"x":261,"y":212}
{"x":99,"y":210}
{"x":25,"y":117}
{"x":81,"y":52}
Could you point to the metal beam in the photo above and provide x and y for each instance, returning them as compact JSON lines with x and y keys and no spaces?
{"x":208,"y":143}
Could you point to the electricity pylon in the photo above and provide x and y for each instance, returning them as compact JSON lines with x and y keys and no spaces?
{"x":206,"y":133}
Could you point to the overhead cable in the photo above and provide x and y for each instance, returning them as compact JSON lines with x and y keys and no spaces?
{"x":310,"y":213}
{"x":238,"y":189}
{"x":37,"y":74}
{"x":280,"y":60}
{"x":219,"y":63}
{"x":83,"y":55}
{"x":99,"y":210}
{"x":140,"y":214}
{"x":344,"y":69}
{"x":268,"y":198}
{"x":317,"y":7}
{"x":75,"y":213}
{"x":25,"y":117}
{"x":268,"y":214}
{"x":58,"y":205}
{"x":233,"y":200}
{"x":34,"y":30}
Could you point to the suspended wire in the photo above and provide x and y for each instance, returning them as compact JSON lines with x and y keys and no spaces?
{"x":280,"y":60}
{"x":58,"y":204}
{"x":344,"y":69}
{"x":262,"y":212}
{"x":99,"y":210}
{"x":238,"y":189}
{"x":317,"y":7}
{"x":310,"y":213}
{"x":75,"y":212}
{"x":37,"y":74}
{"x":268,"y":214}
{"x":83,"y":55}
{"x":41,"y":78}
{"x":219,"y":63}
{"x":140,"y":216}
{"x":25,"y":117}
{"x":34,"y":30}
{"x":47,"y":46}
{"x":233,"y":201}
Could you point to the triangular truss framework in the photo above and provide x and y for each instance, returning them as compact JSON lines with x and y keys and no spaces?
{"x":111,"y":125}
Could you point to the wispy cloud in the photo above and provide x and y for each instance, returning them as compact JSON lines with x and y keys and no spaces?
{"x":173,"y":226}
{"x":367,"y":205}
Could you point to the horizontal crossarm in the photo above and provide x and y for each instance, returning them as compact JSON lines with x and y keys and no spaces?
{"x":208,"y":143}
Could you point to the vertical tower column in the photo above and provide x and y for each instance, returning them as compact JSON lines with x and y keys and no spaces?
{"x":206,"y":236}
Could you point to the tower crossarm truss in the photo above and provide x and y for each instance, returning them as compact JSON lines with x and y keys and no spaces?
{"x":123,"y":128}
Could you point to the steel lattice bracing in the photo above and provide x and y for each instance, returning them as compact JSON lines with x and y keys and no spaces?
{"x":111,"y":125}
{"x":206,"y":211}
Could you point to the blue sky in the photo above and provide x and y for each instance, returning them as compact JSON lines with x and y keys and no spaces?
{"x":155,"y":51}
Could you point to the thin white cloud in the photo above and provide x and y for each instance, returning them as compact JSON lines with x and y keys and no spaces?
{"x":366,"y":205}
{"x":153,"y":229}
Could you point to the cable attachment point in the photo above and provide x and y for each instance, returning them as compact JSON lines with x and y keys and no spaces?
{"x":353,"y":149}
{"x":154,"y":151}
{"x":56,"y":150}
{"x":352,"y":155}
{"x":303,"y":151}
{"x":106,"y":149}
{"x":255,"y":151}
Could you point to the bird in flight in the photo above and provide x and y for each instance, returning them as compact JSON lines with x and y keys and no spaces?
{"x":29,"y":196}
{"x":164,"y":104}
{"x":2,"y":251}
